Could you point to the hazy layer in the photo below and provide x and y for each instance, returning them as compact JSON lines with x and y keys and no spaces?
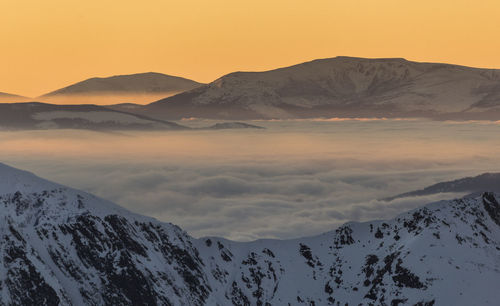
{"x":294,"y":178}
{"x":106,"y":98}
{"x":6,"y":98}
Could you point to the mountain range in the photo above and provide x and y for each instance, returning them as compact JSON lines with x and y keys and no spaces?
{"x":42,"y":116}
{"x":62,"y":246}
{"x":328,"y":88}
{"x":36,"y":116}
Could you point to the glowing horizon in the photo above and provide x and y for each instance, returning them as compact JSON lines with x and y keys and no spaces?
{"x":47,"y":45}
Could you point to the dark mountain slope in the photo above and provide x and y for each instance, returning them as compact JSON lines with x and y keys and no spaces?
{"x":138,"y":88}
{"x":485,"y":181}
{"x":33,"y":115}
{"x":150,"y":82}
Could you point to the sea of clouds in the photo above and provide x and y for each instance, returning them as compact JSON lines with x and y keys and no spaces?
{"x":296,"y":178}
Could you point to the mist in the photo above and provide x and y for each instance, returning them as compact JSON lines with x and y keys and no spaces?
{"x":295,"y":178}
{"x":106,"y":98}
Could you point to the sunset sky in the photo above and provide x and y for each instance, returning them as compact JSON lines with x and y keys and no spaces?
{"x":50,"y":44}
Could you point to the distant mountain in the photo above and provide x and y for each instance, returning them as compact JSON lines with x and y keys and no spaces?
{"x":134,"y":88}
{"x":33,"y":115}
{"x":62,"y":246}
{"x":342,"y":87}
{"x":5,"y":98}
{"x":43,"y":116}
{"x":485,"y":181}
{"x":233,"y":125}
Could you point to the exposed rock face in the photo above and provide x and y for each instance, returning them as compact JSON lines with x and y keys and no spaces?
{"x":63,"y":246}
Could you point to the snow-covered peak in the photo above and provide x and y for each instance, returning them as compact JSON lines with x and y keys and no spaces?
{"x":13,"y":180}
{"x":29,"y":195}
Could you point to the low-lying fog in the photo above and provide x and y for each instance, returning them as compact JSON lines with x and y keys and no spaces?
{"x":293,"y":179}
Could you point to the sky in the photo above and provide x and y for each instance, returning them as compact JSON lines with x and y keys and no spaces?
{"x":295,"y":178}
{"x":46,"y":45}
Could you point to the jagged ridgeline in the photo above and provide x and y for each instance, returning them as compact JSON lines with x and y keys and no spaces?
{"x":61,"y":246}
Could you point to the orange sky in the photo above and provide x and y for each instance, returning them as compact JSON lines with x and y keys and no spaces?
{"x":45,"y":45}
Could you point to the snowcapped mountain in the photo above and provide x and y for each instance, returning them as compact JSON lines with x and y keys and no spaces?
{"x":133,"y":88}
{"x":342,"y":87}
{"x":64,"y":246}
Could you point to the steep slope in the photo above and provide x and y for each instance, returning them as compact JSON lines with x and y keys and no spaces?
{"x":485,"y":181}
{"x":135,"y":88}
{"x":33,"y":116}
{"x":63,"y":246}
{"x":343,"y":87}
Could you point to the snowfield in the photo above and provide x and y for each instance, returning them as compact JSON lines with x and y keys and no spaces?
{"x":61,"y":246}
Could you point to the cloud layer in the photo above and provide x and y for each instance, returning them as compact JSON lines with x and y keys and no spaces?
{"x":270,"y":191}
